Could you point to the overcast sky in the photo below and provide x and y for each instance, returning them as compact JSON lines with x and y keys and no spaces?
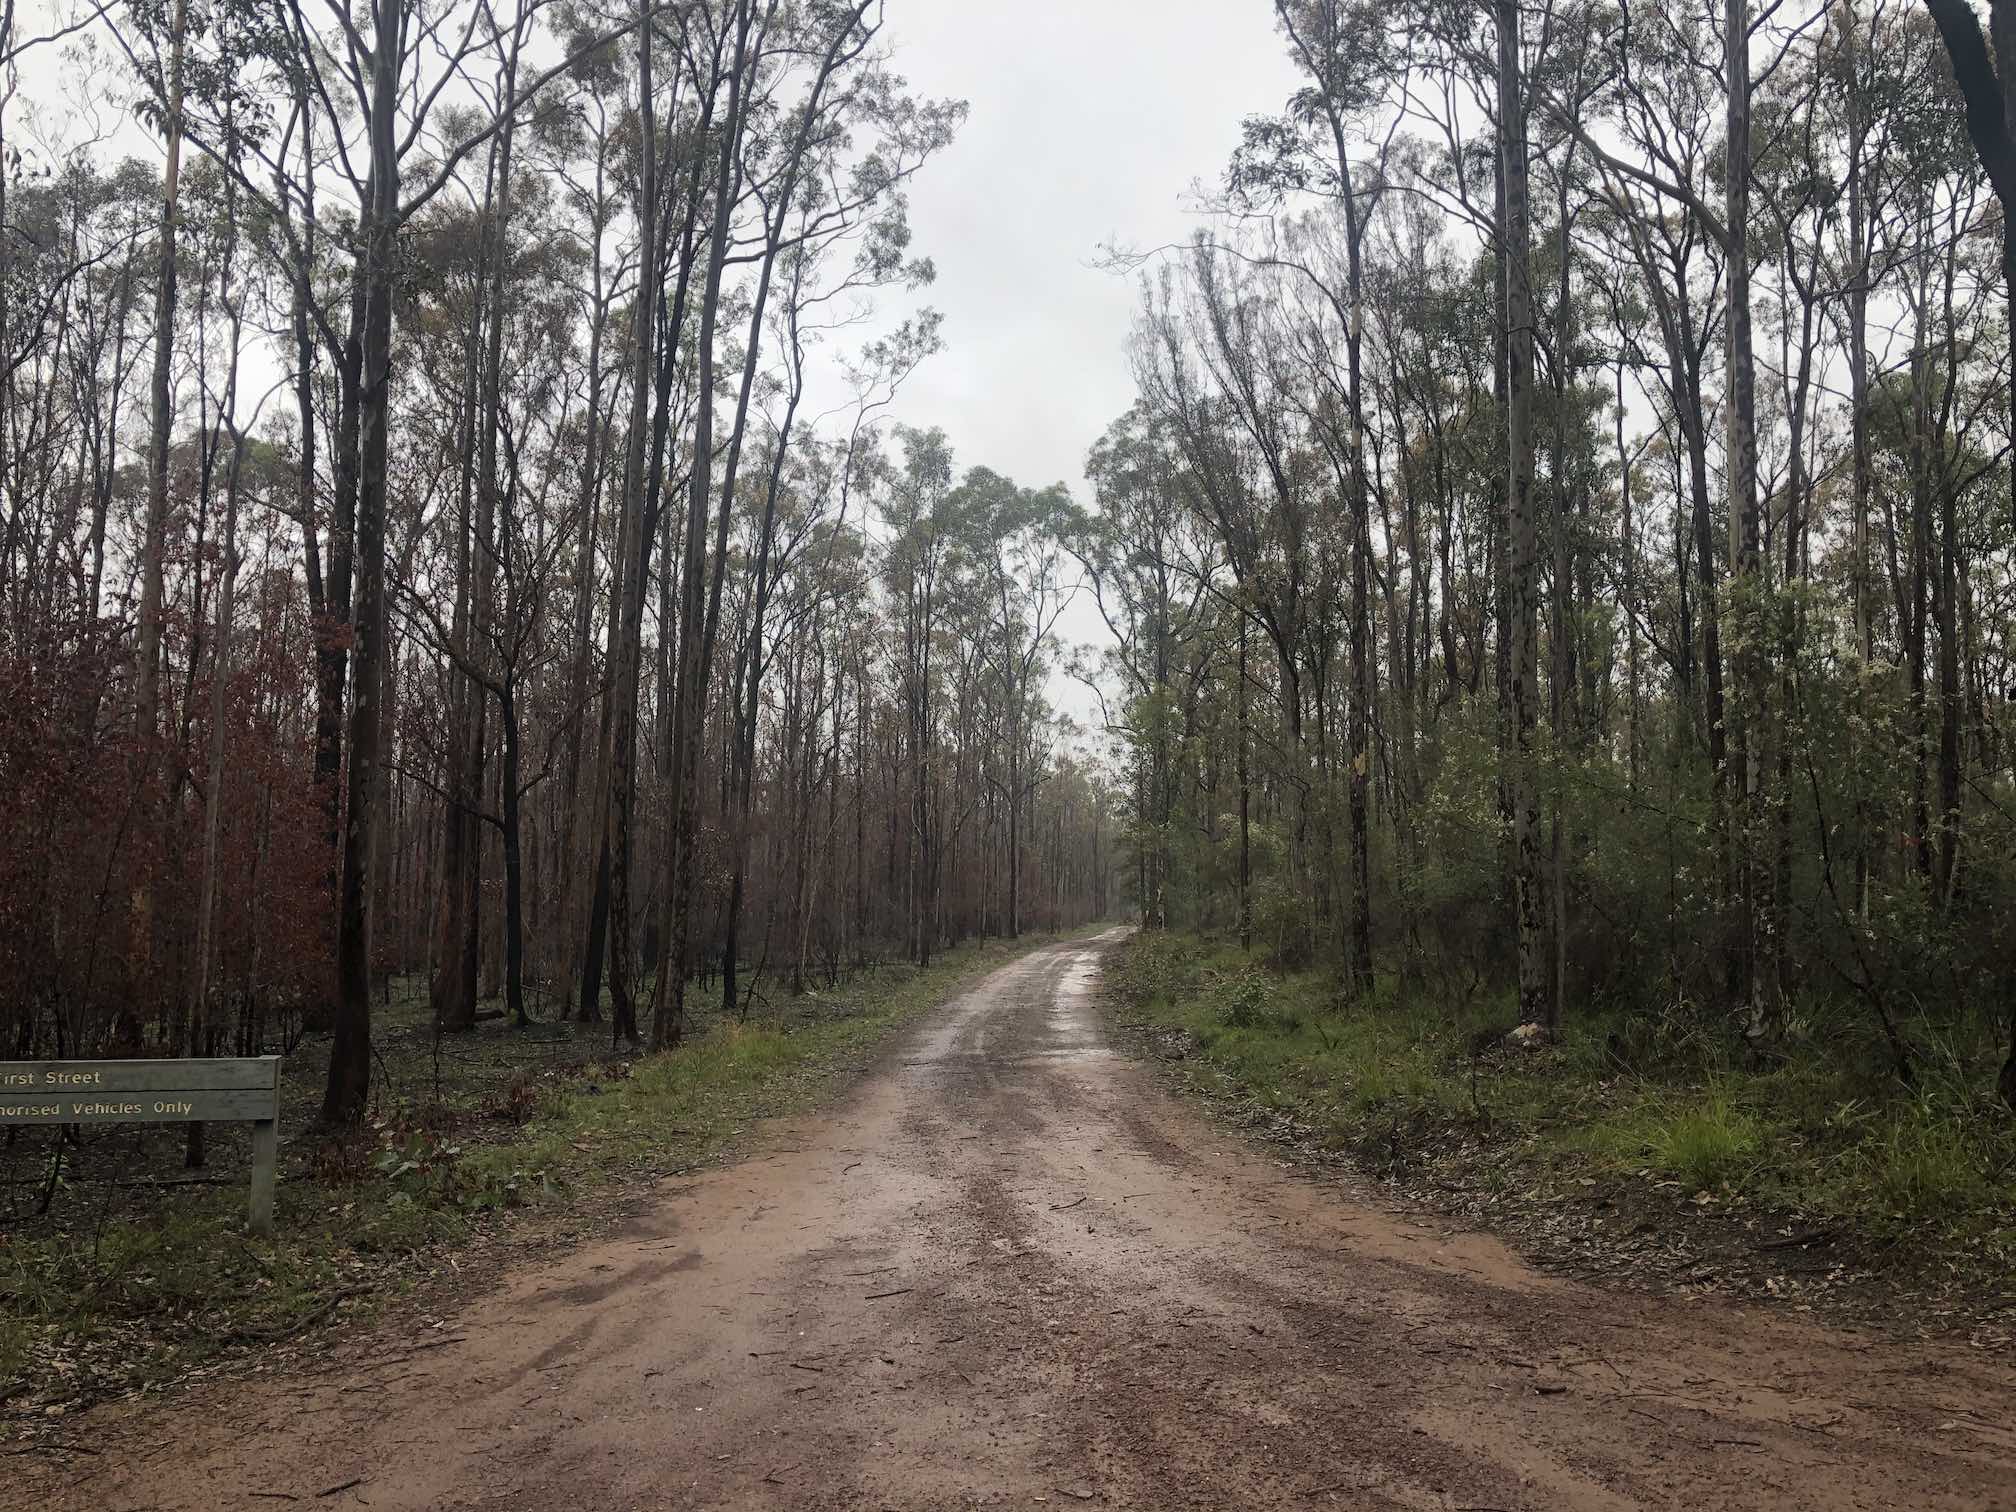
{"x":1090,"y":120}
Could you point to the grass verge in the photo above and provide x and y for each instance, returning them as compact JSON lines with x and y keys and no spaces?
{"x":96,"y":1302}
{"x":1677,"y":1154}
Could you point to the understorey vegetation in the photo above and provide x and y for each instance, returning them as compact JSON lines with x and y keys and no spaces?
{"x":1668,"y":1153}
{"x":132,"y":1277}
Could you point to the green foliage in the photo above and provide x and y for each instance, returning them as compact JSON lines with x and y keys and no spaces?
{"x":1926,"y":1164}
{"x":1667,"y":1100}
{"x":1702,"y":1138}
{"x":1244,"y":997}
{"x":1156,"y":968}
{"x":426,"y":1170}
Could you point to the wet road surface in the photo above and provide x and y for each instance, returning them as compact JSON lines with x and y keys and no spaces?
{"x":1012,"y":1270}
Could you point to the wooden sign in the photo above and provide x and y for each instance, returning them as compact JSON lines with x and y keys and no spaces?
{"x":156,"y":1091}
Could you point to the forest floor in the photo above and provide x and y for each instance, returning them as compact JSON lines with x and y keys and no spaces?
{"x":480,"y":1148}
{"x":1011,"y":1268}
{"x":1668,"y":1159}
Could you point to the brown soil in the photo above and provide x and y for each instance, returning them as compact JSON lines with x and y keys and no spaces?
{"x":1012,"y":1270}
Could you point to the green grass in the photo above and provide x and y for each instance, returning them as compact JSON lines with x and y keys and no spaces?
{"x":90,"y":1304}
{"x":1702,"y":1137}
{"x":1819,"y":1129}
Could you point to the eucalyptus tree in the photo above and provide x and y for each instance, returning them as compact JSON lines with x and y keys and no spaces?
{"x":515,"y":288}
{"x":636,"y":530}
{"x":918,"y":565}
{"x":201,"y":1037}
{"x":812,"y":187}
{"x":1347,"y":52}
{"x":1019,"y":565}
{"x":804,"y":512}
{"x":1150,"y":573}
{"x":584,"y":142}
{"x":1536,"y":1005}
{"x":479,"y":555}
{"x":1218,"y":359}
{"x":380,"y":87}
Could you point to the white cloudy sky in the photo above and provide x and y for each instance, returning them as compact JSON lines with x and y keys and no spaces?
{"x":1090,"y":120}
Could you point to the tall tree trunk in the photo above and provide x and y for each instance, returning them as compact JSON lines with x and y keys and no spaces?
{"x":1536,"y":1003}
{"x":1628,"y":557}
{"x":1748,"y":589}
{"x":747,"y":705}
{"x":1245,"y":803}
{"x":1913,"y":626}
{"x":1947,"y":873}
{"x":350,"y":1049}
{"x":1562,"y":712}
{"x":496,"y":530}
{"x":578,"y":857}
{"x":627,"y":617}
{"x":453,"y":988}
{"x":1015,"y":836}
{"x":511,"y":802}
{"x":1361,"y":697}
{"x":154,"y":539}
{"x":1858,"y":420}
{"x":220,"y":674}
{"x":328,"y":592}
{"x":697,"y":616}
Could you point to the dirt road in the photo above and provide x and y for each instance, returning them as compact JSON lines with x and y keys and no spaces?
{"x":1011,"y":1270}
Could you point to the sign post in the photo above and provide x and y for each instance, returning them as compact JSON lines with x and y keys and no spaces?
{"x":156,"y":1091}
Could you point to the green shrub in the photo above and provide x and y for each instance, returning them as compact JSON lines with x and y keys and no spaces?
{"x":1156,"y":967}
{"x":1244,"y":998}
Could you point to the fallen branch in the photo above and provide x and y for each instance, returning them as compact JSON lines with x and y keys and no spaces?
{"x":307,"y":1320}
{"x":1797,"y":1241}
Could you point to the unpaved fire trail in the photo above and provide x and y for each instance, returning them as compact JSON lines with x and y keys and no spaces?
{"x":1011,"y":1270}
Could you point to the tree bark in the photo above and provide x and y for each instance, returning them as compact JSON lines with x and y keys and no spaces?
{"x":1536,"y":1003}
{"x":350,"y":1049}
{"x":668,"y":998}
{"x":627,"y":619}
{"x":154,"y":540}
{"x":1748,"y":589}
{"x":220,"y":673}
